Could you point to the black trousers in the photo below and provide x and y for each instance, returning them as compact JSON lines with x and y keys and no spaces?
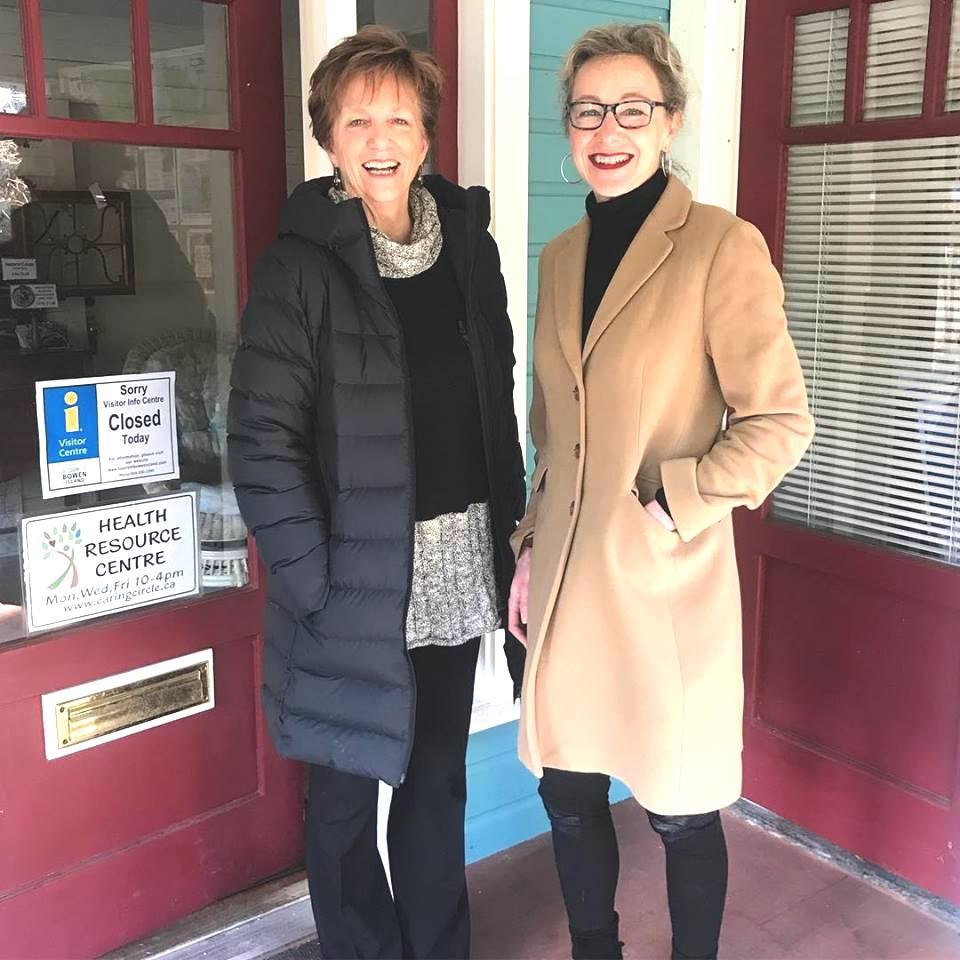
{"x":588,"y":862}
{"x":428,"y":915}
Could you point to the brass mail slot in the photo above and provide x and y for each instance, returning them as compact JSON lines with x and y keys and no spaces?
{"x":108,"y":711}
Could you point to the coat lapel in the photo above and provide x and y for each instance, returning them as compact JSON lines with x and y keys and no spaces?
{"x":647,"y":251}
{"x":568,"y":295}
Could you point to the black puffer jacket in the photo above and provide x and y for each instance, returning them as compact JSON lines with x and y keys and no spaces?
{"x":321,"y":455}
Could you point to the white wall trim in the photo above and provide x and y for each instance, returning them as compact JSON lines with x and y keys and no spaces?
{"x":494,"y":124}
{"x":493,"y":150}
{"x":709,"y":36}
{"x":323,"y":23}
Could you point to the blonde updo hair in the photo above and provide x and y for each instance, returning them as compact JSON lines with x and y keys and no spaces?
{"x":647,"y":40}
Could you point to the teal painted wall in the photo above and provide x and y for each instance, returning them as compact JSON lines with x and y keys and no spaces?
{"x":503,"y":807}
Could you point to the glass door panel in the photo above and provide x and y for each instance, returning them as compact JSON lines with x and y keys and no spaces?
{"x":188,"y":51}
{"x":146,"y":282}
{"x":87,"y":60}
{"x":13,"y":90}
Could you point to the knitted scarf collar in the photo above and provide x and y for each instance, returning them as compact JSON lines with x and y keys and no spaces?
{"x":400,"y":260}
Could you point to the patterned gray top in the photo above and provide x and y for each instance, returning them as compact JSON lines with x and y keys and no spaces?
{"x":453,"y":595}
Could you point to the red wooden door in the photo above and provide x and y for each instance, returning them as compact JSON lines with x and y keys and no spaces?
{"x":851,"y":589}
{"x":179,"y":105}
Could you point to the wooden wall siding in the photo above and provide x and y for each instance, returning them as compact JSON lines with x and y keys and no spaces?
{"x":503,"y":808}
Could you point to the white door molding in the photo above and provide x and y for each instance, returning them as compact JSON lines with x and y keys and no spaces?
{"x":709,"y":36}
{"x":323,"y":23}
{"x":493,"y":113}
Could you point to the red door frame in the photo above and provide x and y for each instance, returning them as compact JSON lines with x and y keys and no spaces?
{"x":444,"y":39}
{"x":873,"y":604}
{"x":106,"y":845}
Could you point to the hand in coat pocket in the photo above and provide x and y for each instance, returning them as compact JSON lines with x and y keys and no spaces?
{"x":519,"y":590}
{"x":660,"y":515}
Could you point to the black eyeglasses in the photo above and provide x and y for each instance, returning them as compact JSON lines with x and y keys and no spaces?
{"x":630,"y":114}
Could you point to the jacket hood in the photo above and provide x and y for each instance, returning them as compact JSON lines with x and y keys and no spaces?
{"x":311,"y":214}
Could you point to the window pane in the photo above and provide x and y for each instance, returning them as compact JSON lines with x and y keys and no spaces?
{"x":293,"y":106}
{"x":13,"y":96}
{"x":410,"y":17}
{"x":188,"y":50}
{"x":169,"y":303}
{"x":953,"y":70}
{"x":819,"y":67}
{"x":896,"y":58}
{"x":87,"y":60}
{"x":872,"y":276}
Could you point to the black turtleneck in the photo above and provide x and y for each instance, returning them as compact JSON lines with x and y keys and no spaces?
{"x":613,"y":225}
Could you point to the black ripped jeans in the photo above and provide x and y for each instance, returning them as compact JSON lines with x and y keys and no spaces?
{"x":588,"y":862}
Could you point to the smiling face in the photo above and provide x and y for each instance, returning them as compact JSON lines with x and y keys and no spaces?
{"x":610,"y":159}
{"x":378,"y":141}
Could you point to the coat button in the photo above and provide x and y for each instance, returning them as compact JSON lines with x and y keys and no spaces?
{"x":576,"y":451}
{"x":576,"y":394}
{"x":572,"y":505}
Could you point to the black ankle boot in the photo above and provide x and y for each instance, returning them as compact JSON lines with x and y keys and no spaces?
{"x":601,"y":945}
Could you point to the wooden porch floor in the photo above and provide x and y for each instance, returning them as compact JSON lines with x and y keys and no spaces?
{"x":783,"y":903}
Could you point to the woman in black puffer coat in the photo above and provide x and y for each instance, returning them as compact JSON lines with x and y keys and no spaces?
{"x":374,"y":449}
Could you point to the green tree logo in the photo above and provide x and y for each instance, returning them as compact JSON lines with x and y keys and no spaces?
{"x":61,"y":543}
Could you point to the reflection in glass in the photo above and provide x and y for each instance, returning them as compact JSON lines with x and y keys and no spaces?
{"x":411,"y":18}
{"x":13,"y":95}
{"x":181,"y":313}
{"x":87,"y":60}
{"x":293,"y":105}
{"x":188,"y":50}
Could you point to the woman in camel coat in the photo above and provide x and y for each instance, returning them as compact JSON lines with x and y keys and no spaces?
{"x":667,"y":392}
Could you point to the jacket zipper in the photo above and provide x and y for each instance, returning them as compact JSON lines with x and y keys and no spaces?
{"x":412,"y":503}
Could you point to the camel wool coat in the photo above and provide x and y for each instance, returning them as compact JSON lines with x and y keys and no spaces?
{"x":688,"y":380}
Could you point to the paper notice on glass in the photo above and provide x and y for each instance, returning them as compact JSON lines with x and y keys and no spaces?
{"x":98,"y":433}
{"x":82,"y":564}
{"x":19,"y":268}
{"x":34,"y":296}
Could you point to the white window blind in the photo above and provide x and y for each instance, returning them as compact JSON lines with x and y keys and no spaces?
{"x":953,"y":66}
{"x":819,"y":67}
{"x":872,"y":277}
{"x":896,"y":58}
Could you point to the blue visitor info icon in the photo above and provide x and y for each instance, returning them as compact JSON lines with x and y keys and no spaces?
{"x":70,"y":421}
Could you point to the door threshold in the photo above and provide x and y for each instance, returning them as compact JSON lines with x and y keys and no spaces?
{"x":871,"y":873}
{"x":252,"y":925}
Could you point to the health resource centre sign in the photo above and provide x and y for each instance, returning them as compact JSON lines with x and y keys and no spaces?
{"x":104,"y":432}
{"x":87,"y":563}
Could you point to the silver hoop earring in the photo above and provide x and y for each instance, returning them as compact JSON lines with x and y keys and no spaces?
{"x":666,"y":163}
{"x":337,"y":181}
{"x":563,"y":175}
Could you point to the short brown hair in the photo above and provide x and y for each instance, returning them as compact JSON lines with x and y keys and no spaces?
{"x":376,"y":52}
{"x":647,"y":40}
